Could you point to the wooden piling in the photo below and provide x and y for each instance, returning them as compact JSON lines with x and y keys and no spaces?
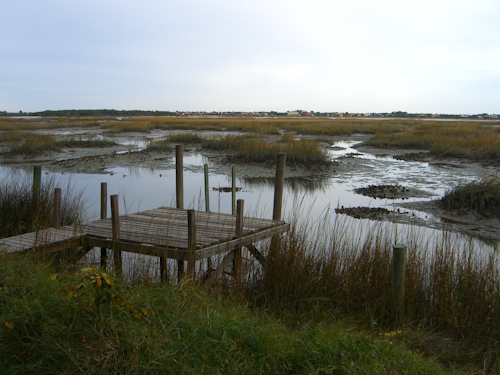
{"x":37,"y":182}
{"x":104,"y":215}
{"x":56,"y":212}
{"x":115,"y":224}
{"x":207,"y":190}
{"x":179,"y":181}
{"x":278,"y":187}
{"x":398,"y":282}
{"x":239,"y":233}
{"x":179,"y":193}
{"x":191,"y":243}
{"x":207,"y":209}
{"x":233,"y":191}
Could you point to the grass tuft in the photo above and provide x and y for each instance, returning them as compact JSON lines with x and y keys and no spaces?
{"x":479,"y":196}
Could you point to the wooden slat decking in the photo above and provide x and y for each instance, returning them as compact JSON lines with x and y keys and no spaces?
{"x":161,"y":232}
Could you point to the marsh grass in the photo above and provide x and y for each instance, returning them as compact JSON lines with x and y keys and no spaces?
{"x":34,"y":144}
{"x":478,"y":196}
{"x":258,"y":150}
{"x":86,"y":321}
{"x":451,"y":290}
{"x":21,"y":213}
{"x":185,"y":138}
{"x":470,"y":140}
{"x":159,"y":145}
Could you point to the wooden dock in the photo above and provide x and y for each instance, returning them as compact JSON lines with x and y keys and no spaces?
{"x":175,"y":233}
{"x":163,"y":232}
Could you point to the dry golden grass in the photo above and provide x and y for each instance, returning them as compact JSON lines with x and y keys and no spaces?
{"x":471,"y":140}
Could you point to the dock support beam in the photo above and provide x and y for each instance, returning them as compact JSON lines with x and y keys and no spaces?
{"x":398,"y":283}
{"x":115,"y":223}
{"x":179,"y":193}
{"x":104,"y":215}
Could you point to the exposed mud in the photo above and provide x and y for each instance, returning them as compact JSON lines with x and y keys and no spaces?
{"x":390,"y":192}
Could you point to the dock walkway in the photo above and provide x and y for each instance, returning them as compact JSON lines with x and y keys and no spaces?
{"x":163,"y":232}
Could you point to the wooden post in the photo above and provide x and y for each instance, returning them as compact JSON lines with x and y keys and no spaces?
{"x":207,"y":190}
{"x":179,"y":193}
{"x":191,"y":243}
{"x":104,"y":215}
{"x":233,"y":191}
{"x":398,"y":282}
{"x":37,"y":182}
{"x":115,"y":222}
{"x":278,"y":187}
{"x":179,"y":183}
{"x":207,"y":209}
{"x":239,"y":233}
{"x":56,"y":212}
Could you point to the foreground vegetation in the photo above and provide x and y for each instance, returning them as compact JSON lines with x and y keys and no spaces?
{"x":56,"y":320}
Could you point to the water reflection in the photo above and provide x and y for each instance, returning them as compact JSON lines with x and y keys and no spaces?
{"x":309,"y":185}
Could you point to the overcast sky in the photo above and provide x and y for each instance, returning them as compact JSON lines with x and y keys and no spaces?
{"x":438,"y":56}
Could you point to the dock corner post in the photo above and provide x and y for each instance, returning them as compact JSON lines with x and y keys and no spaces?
{"x":191,"y":221}
{"x":115,"y":222}
{"x":233,"y":191}
{"x":398,"y":283}
{"x":179,"y":192}
{"x":278,"y":187}
{"x":37,"y":182}
{"x":104,"y":215}
{"x":237,"y":262}
{"x":56,"y":212}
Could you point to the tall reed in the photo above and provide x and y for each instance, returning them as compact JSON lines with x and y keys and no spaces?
{"x":20,"y":212}
{"x":451,"y":288}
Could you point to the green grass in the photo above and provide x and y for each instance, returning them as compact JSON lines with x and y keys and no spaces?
{"x":55,"y":320}
{"x":478,"y":196}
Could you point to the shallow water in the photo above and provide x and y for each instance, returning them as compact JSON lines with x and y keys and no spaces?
{"x":306,"y":199}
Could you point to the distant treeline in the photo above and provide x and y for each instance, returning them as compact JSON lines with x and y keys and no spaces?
{"x":130,"y":113}
{"x":90,"y":112}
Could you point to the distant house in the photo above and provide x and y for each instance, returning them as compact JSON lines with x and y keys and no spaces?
{"x":292,"y":113}
{"x":309,"y":114}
